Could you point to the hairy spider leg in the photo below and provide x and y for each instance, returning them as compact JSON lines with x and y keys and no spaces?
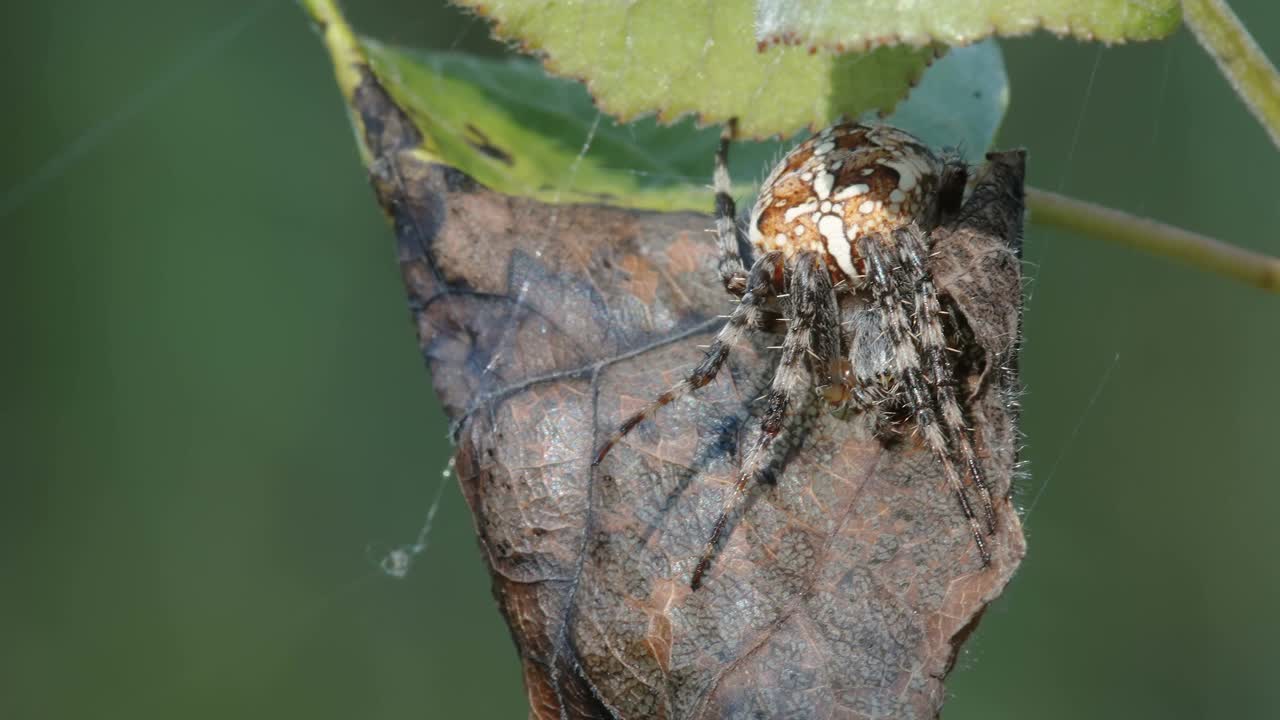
{"x":870,"y":380}
{"x":732,"y":271}
{"x":813,"y":322}
{"x":887,"y":287}
{"x":748,"y":315}
{"x":912,"y":251}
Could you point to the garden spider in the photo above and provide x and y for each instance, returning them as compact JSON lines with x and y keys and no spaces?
{"x":841,"y":232}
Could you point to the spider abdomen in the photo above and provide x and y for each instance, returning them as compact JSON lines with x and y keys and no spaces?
{"x":846,"y":182}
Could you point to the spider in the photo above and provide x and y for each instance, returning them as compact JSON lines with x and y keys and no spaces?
{"x":841,"y":233}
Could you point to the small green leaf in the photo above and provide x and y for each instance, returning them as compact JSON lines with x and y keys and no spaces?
{"x":861,"y":24}
{"x":678,"y":57}
{"x":520,"y":131}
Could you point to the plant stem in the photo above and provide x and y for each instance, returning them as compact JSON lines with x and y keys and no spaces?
{"x":350,"y":64}
{"x":1198,"y":250}
{"x":1253,"y":77}
{"x":341,"y":42}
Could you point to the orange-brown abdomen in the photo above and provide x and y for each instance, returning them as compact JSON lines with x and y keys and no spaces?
{"x":846,"y":182}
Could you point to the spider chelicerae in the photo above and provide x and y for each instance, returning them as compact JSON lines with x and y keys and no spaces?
{"x":841,"y":233}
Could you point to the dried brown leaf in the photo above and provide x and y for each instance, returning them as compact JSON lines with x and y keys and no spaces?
{"x":844,"y":589}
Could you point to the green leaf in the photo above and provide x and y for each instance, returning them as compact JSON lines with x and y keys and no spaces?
{"x":860,"y":24}
{"x":678,"y":57}
{"x":516,"y":129}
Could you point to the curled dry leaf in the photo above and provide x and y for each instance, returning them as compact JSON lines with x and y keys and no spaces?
{"x":845,"y":587}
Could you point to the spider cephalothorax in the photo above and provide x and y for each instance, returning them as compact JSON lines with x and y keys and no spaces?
{"x":841,"y":235}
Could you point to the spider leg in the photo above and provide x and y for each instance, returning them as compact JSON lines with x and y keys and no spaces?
{"x":870,"y":374}
{"x":886,"y":284}
{"x":748,"y":315}
{"x":726,"y":215}
{"x":812,"y":341}
{"x":911,"y":250}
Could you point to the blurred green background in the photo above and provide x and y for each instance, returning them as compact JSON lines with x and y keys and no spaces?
{"x":215,"y":420}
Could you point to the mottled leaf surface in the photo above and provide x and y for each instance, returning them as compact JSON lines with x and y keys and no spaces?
{"x":677,"y":57}
{"x":861,"y":24}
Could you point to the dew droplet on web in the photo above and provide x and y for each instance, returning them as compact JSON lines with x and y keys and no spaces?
{"x":398,"y":561}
